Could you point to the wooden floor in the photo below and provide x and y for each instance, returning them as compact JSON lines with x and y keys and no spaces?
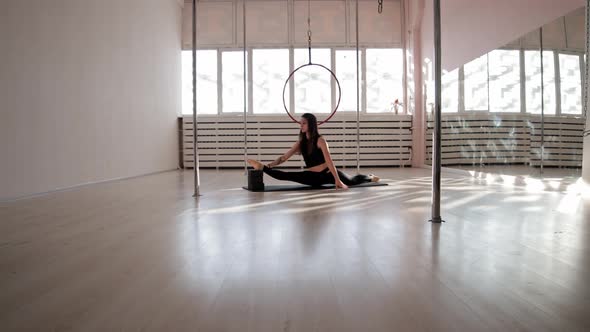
{"x":142,"y":254}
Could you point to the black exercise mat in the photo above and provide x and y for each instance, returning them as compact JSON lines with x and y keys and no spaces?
{"x":292,"y":187}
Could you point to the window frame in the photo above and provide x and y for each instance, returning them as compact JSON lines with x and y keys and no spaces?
{"x":580,"y":56}
{"x":523,"y":108}
{"x":362,"y":80}
{"x":249,"y":86}
{"x":364,"y":85}
{"x":251,"y":80}
{"x":218,"y":78}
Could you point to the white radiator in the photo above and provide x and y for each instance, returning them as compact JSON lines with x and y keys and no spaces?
{"x":487,"y":138}
{"x":385,"y":140}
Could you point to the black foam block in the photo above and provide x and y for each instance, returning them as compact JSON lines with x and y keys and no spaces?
{"x":255,"y":180}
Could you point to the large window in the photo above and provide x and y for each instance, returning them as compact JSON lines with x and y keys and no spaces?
{"x":384,"y":72}
{"x":232,"y":76}
{"x":476,"y":84}
{"x":496,"y":81}
{"x":313,"y":84}
{"x":206,"y":82}
{"x":532,"y":64}
{"x":312,"y":89}
{"x":346,"y":73}
{"x":571,"y":84}
{"x":504,"y":66}
{"x":493,"y":82}
{"x":270,"y":69}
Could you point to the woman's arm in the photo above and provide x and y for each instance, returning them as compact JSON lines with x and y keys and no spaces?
{"x":286,"y":156}
{"x":326,"y":151}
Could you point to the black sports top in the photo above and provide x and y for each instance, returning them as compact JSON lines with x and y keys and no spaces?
{"x":314,"y":158}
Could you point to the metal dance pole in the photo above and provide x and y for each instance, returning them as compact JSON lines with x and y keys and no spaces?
{"x":358,"y":100}
{"x":245,"y":88}
{"x":542,"y":102}
{"x":195,"y":145}
{"x":436,"y":139}
{"x":586,"y":74}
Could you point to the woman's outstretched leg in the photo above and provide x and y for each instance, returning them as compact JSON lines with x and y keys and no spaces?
{"x":357,"y":179}
{"x":305,"y":177}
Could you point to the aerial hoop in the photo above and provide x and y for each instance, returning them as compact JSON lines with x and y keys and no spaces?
{"x":337,"y":84}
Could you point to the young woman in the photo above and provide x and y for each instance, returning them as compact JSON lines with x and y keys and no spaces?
{"x":320,"y":168}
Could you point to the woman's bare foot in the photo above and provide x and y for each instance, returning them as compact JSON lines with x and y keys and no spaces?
{"x":374,"y":178}
{"x":255,"y":164}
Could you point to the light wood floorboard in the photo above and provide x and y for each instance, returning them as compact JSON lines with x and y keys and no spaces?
{"x":144,"y":255}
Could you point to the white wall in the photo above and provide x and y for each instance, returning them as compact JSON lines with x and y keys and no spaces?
{"x":89,"y":91}
{"x":564,"y":33}
{"x":471,"y":28}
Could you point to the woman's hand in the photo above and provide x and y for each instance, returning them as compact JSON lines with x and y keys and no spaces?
{"x":341,"y":185}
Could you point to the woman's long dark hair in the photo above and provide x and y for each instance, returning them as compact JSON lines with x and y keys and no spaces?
{"x":312,"y":128}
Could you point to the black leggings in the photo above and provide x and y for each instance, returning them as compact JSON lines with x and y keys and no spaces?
{"x":315,"y":179}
